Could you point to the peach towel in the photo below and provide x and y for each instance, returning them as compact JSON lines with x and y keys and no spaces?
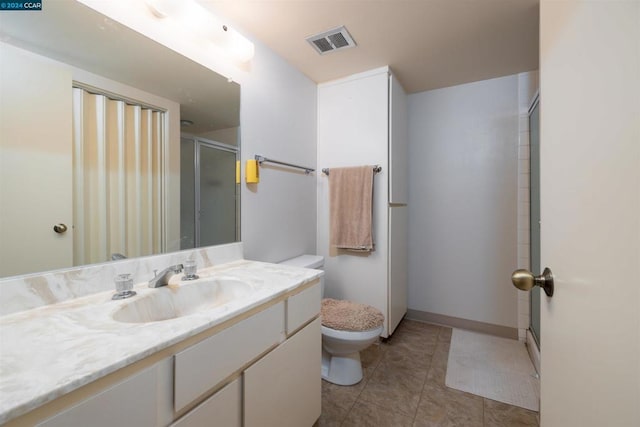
{"x":351,"y":208}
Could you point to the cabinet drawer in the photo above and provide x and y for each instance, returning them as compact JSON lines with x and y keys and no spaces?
{"x":283,"y":389}
{"x":206,"y":364}
{"x":223,"y":409}
{"x":303,"y":307}
{"x":132,"y":402}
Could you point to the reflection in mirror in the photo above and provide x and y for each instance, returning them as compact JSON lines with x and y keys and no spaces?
{"x":207,"y":175}
{"x":49,"y":177}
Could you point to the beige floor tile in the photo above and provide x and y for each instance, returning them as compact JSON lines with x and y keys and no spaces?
{"x":442,"y":406}
{"x":332,"y":415}
{"x":420,"y":332}
{"x":413,"y":341}
{"x":438,"y":368}
{"x":342,"y":396}
{"x":498,"y":414}
{"x":445,"y":334}
{"x":437,"y":374}
{"x":370,"y":358}
{"x":393,"y":390}
{"x":401,"y":359}
{"x":365,"y":414}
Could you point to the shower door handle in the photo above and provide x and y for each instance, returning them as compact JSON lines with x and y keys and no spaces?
{"x":525,"y":280}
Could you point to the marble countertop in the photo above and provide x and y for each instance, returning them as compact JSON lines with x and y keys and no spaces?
{"x":52,"y":350}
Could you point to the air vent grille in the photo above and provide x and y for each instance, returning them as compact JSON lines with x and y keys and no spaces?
{"x":332,"y":40}
{"x":323,"y":45}
{"x":338,"y":40}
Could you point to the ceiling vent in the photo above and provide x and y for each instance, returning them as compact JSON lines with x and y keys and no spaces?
{"x":332,"y":40}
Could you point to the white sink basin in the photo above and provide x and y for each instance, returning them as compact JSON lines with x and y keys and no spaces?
{"x":170,"y":302}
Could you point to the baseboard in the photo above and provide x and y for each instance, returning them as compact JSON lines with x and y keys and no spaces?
{"x":456,"y":322}
{"x":534,"y":352}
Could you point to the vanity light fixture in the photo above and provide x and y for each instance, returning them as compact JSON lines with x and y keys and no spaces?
{"x":193,"y":17}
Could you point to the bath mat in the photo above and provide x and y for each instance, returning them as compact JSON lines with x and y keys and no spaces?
{"x":492,"y":367}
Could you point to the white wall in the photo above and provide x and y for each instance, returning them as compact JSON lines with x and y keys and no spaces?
{"x":278,"y":120}
{"x":463,"y":179}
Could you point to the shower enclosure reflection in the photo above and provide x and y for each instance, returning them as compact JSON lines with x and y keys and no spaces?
{"x":209,"y":193}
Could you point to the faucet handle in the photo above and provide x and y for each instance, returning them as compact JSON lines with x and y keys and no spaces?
{"x":124,"y":286}
{"x":190,"y":268}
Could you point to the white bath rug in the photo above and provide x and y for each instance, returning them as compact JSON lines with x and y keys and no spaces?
{"x":492,"y":367}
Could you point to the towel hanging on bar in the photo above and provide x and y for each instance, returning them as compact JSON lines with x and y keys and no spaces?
{"x":351,"y":208}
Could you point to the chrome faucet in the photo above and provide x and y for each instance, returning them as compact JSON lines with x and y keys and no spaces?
{"x":162,"y":278}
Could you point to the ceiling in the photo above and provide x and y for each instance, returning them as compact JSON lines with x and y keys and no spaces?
{"x":428,"y":43}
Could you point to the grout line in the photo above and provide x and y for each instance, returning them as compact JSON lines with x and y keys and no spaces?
{"x":366,"y":382}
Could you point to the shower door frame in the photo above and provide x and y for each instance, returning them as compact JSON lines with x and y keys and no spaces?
{"x":197,"y":143}
{"x":534,"y":231}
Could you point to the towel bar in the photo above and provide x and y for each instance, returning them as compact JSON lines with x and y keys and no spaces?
{"x":262,"y":159}
{"x":376,"y":169}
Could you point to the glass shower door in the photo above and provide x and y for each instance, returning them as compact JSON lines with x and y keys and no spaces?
{"x":217,"y":212}
{"x":209,"y":194}
{"x":534,"y":144}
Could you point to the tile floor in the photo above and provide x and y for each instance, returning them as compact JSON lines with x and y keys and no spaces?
{"x":403,"y":385}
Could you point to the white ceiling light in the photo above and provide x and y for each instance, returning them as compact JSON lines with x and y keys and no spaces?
{"x":193,"y":17}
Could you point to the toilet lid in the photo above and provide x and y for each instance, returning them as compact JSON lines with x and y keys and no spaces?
{"x":349,"y":316}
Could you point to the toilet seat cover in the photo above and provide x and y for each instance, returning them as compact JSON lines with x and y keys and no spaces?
{"x":349,"y":316}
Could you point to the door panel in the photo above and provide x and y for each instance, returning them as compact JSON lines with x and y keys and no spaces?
{"x":590,"y":210}
{"x":35,"y":151}
{"x":398,"y":264}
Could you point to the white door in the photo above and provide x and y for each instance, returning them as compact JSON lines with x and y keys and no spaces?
{"x":590,"y":212}
{"x":35,"y":163}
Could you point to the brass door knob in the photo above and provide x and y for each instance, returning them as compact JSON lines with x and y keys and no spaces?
{"x":60,"y":228}
{"x":525,"y":280}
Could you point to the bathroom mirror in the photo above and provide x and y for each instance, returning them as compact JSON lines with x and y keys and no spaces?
{"x":44,"y":55}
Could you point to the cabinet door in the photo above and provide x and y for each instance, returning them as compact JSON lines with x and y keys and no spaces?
{"x":398,"y":143}
{"x":223,"y":409}
{"x":398,"y":264}
{"x":283,"y":389}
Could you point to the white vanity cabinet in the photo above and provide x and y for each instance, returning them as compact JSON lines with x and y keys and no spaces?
{"x":261,"y":370}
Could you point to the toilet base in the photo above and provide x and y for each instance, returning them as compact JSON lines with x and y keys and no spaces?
{"x":343,"y":369}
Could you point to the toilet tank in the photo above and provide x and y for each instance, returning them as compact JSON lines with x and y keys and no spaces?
{"x":308,"y":261}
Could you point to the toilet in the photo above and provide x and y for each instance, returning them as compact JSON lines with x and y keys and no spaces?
{"x":347,"y":329}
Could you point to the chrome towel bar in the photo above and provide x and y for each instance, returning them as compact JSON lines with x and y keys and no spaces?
{"x":376,"y":169}
{"x":262,"y":159}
